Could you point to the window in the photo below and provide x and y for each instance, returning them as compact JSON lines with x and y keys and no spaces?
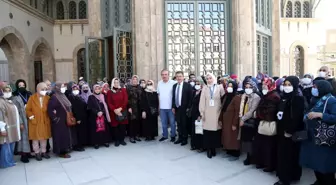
{"x":60,"y":10}
{"x":82,"y":10}
{"x":31,"y":2}
{"x":263,"y":13}
{"x":262,"y":7}
{"x":72,"y":10}
{"x":263,"y":53}
{"x":36,"y":4}
{"x":289,"y":9}
{"x":306,"y":9}
{"x":45,"y":6}
{"x":297,"y":9}
{"x":300,"y":9}
{"x":257,"y":10}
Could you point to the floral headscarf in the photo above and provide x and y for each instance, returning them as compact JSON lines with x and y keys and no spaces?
{"x":269,"y":82}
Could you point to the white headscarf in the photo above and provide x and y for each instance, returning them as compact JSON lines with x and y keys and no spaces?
{"x":214,"y":82}
{"x":112,"y":84}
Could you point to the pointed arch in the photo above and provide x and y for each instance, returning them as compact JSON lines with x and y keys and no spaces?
{"x":72,"y":10}
{"x":60,"y":10}
{"x":77,"y":49}
{"x":82,"y":10}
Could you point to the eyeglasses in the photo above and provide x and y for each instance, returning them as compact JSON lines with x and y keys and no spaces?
{"x":323,"y":70}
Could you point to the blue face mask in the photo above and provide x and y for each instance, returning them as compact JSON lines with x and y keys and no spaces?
{"x":315,"y":92}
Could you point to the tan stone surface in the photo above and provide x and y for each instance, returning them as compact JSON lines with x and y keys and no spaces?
{"x":276,"y":38}
{"x":94,"y":18}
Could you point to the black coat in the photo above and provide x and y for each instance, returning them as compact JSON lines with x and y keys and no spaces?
{"x":187,"y":91}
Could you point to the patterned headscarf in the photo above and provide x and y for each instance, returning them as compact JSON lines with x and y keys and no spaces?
{"x":269,"y":82}
{"x":260,"y":76}
{"x":101,"y":99}
{"x":84,"y":95}
{"x":253,"y":84}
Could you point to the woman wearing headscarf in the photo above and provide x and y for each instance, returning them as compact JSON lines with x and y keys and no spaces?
{"x":143,"y":84}
{"x":85,"y":92}
{"x":264,"y":146}
{"x":290,"y":116}
{"x":248,"y":105}
{"x":306,"y":87}
{"x":279,"y":86}
{"x":196,"y":140}
{"x":260,"y":76}
{"x":9,"y":130}
{"x":39,"y":122}
{"x":68,"y":90}
{"x":320,"y":158}
{"x":79,"y":109}
{"x":134,"y":96}
{"x":99,"y":118}
{"x":23,"y":146}
{"x":105,"y":89}
{"x":62,"y":135}
{"x":230,"y":120}
{"x":117,"y":101}
{"x":149,"y":107}
{"x":210,"y":109}
{"x":21,"y":90}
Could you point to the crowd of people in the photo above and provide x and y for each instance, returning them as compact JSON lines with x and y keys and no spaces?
{"x":281,"y":124}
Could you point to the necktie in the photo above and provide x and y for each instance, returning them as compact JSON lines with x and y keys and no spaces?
{"x":177,"y":99}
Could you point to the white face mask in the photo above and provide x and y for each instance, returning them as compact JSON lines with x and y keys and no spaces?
{"x":63,"y":89}
{"x":264,"y":91}
{"x":197,"y":87}
{"x":75,"y":92}
{"x":150,"y":87}
{"x":322,"y":74}
{"x":192,"y":84}
{"x":306,"y":81}
{"x":143,"y":85}
{"x":281,"y":88}
{"x":7,"y":95}
{"x":229,"y":89}
{"x":43,"y":93}
{"x":288,"y":89}
{"x":248,"y":91}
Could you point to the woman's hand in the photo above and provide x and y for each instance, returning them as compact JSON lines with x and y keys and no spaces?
{"x":21,"y":126}
{"x":116,"y":111}
{"x":241,"y":123}
{"x":143,"y":115}
{"x":313,"y":115}
{"x":288,"y":135}
{"x":234,"y":128}
{"x":130,"y":110}
{"x":54,"y":112}
{"x":78,"y":122}
{"x":199,"y":118}
{"x":100,"y":114}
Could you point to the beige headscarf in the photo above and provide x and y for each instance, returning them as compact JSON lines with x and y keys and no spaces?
{"x":154,"y":90}
{"x":112,"y":85}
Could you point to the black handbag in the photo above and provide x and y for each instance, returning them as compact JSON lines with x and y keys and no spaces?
{"x":153,"y":111}
{"x":300,"y":136}
{"x":123,"y":117}
{"x":249,"y":130}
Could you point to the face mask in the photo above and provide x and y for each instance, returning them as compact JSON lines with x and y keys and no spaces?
{"x":240,"y":89}
{"x":85,"y":91}
{"x":315,"y":92}
{"x":248,"y":91}
{"x":322,"y":74}
{"x":306,"y":81}
{"x":197,"y":87}
{"x":264,"y":91}
{"x":7,"y":95}
{"x":143,"y":85}
{"x":281,"y":88}
{"x":288,"y":89}
{"x":63,"y":89}
{"x":22,"y":89}
{"x":75,"y":92}
{"x":229,"y":89}
{"x":192,"y":84}
{"x":43,"y":93}
{"x":150,"y":87}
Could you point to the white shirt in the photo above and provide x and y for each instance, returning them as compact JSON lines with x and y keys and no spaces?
{"x":41,"y":101}
{"x":180,"y":93}
{"x":165,"y":91}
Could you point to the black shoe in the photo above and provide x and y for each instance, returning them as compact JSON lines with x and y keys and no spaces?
{"x":209,"y":154}
{"x":213,"y":152}
{"x":163,"y":139}
{"x":79,"y":149}
{"x":193,"y":148}
{"x":259,"y":167}
{"x":116,"y":143}
{"x":45,"y":155}
{"x":132,"y":141}
{"x":267,"y":170}
{"x":107,"y":145}
{"x":137,"y":139}
{"x":184,"y":143}
{"x":38,"y":157}
{"x":148,"y":139}
{"x":173,"y":139}
{"x":247,"y":162}
{"x":24,"y":159}
{"x":30,"y":156}
{"x":96,"y":147}
{"x":178,"y":142}
{"x":123,"y":143}
{"x":281,"y":183}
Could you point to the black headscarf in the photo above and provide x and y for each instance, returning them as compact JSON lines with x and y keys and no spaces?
{"x":295,"y":81}
{"x":229,"y":96}
{"x":22,"y":92}
{"x":323,"y":87}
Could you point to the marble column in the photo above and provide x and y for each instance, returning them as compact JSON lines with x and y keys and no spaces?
{"x":148,"y":34}
{"x":94,"y":16}
{"x":243,"y":38}
{"x":276,"y":38}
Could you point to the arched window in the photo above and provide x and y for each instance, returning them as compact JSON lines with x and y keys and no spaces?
{"x":262,"y":4}
{"x":306,"y":9}
{"x":298,"y":61}
{"x":72,"y":10}
{"x":289,"y":9}
{"x":45,"y":6}
{"x":297,"y":9}
{"x":82,"y":10}
{"x":59,"y":10}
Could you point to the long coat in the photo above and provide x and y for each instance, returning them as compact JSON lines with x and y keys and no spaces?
{"x":8,"y":115}
{"x":23,"y":144}
{"x":39,"y":127}
{"x":231,"y":118}
{"x":61,"y":133}
{"x":150,"y":124}
{"x":116,"y":100}
{"x":210,"y":114}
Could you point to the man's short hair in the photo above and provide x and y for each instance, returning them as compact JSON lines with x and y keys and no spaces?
{"x":179,"y":72}
{"x":164,"y":70}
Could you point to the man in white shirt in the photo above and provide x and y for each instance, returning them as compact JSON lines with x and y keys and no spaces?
{"x":165,"y":91}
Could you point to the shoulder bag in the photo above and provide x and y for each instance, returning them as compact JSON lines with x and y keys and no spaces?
{"x":123,"y":116}
{"x":152,"y":110}
{"x":267,"y":128}
{"x":70,"y":119}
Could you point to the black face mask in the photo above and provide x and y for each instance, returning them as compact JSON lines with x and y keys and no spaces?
{"x":22,"y":89}
{"x":85,"y":91}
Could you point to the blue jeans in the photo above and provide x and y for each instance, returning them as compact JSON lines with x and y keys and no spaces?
{"x":7,"y":155}
{"x":167,"y":115}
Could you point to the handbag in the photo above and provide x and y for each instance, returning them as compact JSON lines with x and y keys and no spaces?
{"x":324,"y":134}
{"x":123,"y":116}
{"x":70,"y":118}
{"x":100,"y":124}
{"x":300,"y":136}
{"x":248,"y":130}
{"x":198,"y":127}
{"x":267,"y":128}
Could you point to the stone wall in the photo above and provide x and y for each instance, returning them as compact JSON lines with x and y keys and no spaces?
{"x":94,"y":16}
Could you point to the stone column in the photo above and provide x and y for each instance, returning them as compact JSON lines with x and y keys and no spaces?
{"x":276,"y":38}
{"x":243,"y":38}
{"x":94,"y":16}
{"x":147,"y":18}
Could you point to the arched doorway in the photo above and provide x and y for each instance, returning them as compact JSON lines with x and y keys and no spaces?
{"x":42,"y":62}
{"x":14,"y":55}
{"x":298,"y":60}
{"x":81,"y":63}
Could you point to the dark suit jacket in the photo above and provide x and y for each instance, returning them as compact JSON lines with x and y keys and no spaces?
{"x":187,"y":92}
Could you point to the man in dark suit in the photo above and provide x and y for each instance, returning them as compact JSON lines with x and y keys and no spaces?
{"x":182,"y":93}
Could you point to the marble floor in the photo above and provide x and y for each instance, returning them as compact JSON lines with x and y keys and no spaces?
{"x":145,"y":163}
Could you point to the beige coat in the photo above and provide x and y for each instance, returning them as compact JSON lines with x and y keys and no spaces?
{"x":210,"y":114}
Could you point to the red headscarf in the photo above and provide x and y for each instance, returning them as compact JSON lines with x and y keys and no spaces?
{"x":270,"y":83}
